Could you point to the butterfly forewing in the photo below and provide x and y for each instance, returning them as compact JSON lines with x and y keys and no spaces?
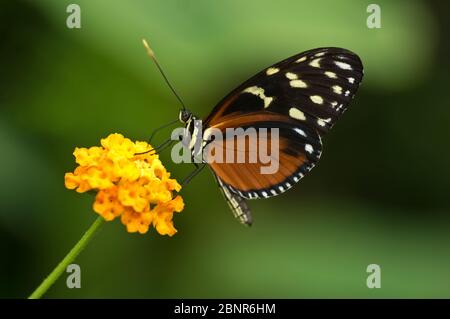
{"x":314,"y":87}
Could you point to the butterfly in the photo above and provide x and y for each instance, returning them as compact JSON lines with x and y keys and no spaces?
{"x":302,"y":96}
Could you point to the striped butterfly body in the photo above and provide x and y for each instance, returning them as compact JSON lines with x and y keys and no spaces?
{"x":302,"y":96}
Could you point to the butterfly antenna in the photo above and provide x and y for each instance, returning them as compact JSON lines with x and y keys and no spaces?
{"x":152,"y":55}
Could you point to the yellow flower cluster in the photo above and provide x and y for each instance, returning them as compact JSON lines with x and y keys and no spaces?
{"x":134,"y":186}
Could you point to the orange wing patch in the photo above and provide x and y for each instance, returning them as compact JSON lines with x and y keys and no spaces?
{"x":241,"y":166}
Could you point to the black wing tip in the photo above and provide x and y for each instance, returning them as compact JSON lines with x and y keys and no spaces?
{"x":337,"y":51}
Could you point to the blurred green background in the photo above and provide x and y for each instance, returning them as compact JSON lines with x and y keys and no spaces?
{"x":379,"y":194}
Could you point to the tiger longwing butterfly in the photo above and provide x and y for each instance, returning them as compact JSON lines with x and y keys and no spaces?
{"x":302,"y":96}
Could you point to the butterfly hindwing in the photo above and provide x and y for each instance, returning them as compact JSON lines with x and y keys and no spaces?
{"x":299,"y":148}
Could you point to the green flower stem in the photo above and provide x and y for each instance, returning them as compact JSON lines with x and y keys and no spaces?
{"x":70,"y":257}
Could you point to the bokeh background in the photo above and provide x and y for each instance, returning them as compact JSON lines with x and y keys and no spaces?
{"x":379,"y":194}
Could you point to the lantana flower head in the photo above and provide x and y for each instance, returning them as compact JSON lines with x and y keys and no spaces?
{"x":131,"y":183}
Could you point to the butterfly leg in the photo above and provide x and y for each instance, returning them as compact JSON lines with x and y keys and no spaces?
{"x":167,"y":143}
{"x":198,"y":169}
{"x":164,"y":144}
{"x":156,"y":130}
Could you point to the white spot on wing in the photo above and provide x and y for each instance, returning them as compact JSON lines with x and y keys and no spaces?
{"x":271,"y":71}
{"x":291,"y":76}
{"x":303,"y":58}
{"x":351,"y":80}
{"x":298,"y":84}
{"x":315,"y":63}
{"x":309,"y":148}
{"x":320,"y":54}
{"x":343,"y":65}
{"x":296,"y":114}
{"x":300,"y":131}
{"x":337,"y":89}
{"x":331,"y":75}
{"x":316,"y":99}
{"x":259,"y":92}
